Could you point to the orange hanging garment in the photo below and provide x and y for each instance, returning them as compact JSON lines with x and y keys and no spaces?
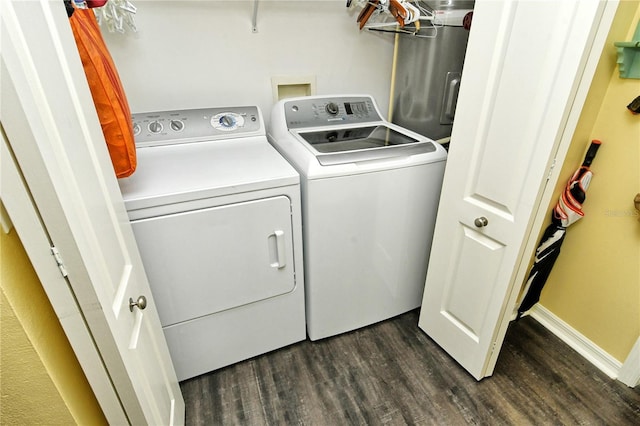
{"x":107,"y":92}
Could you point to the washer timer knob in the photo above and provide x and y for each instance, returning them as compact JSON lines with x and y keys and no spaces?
{"x":332,"y":108}
{"x":155,"y":127}
{"x":176,"y":125}
{"x":227,"y":121}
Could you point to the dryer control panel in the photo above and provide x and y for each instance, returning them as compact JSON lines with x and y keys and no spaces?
{"x":319,"y":111}
{"x":195,"y":125}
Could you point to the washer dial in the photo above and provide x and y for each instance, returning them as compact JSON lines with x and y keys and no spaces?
{"x":155,"y":127}
{"x":227,"y":121}
{"x":176,"y":125}
{"x":332,"y":108}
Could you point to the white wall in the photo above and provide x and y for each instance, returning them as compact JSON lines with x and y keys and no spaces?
{"x":189,"y":54}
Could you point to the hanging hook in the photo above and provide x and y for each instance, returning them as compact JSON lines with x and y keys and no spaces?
{"x":254,"y":19}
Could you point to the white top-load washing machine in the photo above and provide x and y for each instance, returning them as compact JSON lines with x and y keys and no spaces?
{"x":216,"y":215}
{"x":370,"y":192}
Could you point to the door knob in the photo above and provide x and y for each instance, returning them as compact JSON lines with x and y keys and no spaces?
{"x":141,"y":303}
{"x":481,"y":221}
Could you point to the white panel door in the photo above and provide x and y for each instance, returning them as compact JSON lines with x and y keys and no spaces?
{"x":52,"y":127}
{"x":524,"y":62}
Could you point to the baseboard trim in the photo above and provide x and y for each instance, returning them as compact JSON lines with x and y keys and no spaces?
{"x":585,"y":347}
{"x":629,"y":374}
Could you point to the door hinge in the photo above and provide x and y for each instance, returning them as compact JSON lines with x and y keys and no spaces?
{"x":553,"y":165}
{"x":59,"y":262}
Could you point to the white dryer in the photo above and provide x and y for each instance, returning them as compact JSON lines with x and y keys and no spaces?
{"x":216,"y":215}
{"x":370,"y":192}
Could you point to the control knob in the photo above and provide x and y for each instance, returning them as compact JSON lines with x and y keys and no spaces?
{"x":332,"y":108}
{"x":176,"y":125}
{"x":227,"y":121}
{"x":155,"y":127}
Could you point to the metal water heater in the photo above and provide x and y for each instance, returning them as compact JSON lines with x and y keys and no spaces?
{"x":429,"y":69}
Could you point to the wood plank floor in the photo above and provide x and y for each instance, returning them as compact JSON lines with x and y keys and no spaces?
{"x":393,"y":374}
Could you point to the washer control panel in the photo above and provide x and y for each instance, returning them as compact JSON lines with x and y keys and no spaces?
{"x":194,"y":125}
{"x":320,"y":111}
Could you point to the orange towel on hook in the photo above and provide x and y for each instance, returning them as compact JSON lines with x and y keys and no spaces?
{"x":107,"y":92}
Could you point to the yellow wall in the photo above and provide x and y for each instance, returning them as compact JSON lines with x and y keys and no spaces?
{"x":595,"y":284}
{"x":41,"y":381}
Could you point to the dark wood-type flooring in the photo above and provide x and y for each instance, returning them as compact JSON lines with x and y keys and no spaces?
{"x":391,"y":373}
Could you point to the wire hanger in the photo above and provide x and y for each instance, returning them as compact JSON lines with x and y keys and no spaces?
{"x":117,"y":16}
{"x":397,"y":16}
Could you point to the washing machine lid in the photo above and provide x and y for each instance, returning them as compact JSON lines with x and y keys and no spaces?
{"x":355,"y":144}
{"x":172,"y":174}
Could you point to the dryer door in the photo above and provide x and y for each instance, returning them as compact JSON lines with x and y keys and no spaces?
{"x":205,"y":261}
